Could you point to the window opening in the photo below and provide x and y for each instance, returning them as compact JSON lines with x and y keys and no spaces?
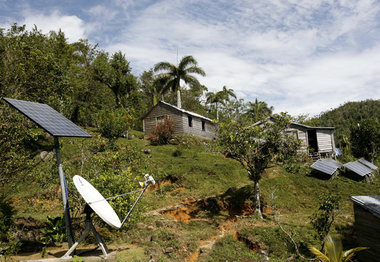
{"x":190,"y":121}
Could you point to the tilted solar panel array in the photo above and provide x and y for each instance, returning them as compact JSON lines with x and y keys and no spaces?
{"x":47,"y":118}
{"x":327,"y":165}
{"x":368,"y":164}
{"x":358,"y":168}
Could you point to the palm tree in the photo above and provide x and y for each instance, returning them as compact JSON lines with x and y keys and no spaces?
{"x":174,"y":74}
{"x":333,"y":251}
{"x":219,"y":97}
{"x":259,"y":110}
{"x":227,"y":93}
{"x":215,"y":98}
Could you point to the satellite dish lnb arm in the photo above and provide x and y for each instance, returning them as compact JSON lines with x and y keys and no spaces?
{"x":134,"y":204}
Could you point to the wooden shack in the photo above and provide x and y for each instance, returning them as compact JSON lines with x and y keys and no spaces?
{"x":185,"y":122}
{"x":316,"y":141}
{"x":367,"y":226}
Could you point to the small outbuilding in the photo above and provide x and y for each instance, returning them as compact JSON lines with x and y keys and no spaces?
{"x":367,"y":226}
{"x":184,"y":122}
{"x":315,"y":141}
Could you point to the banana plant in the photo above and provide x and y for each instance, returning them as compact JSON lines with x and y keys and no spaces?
{"x":333,"y":251}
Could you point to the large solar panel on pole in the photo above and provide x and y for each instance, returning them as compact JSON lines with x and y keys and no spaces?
{"x":48,"y":119}
{"x":58,"y":126}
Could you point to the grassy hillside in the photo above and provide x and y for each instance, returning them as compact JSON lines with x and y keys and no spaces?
{"x":199,"y":211}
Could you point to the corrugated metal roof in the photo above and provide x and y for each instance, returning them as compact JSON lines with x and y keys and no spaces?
{"x":368,"y":164}
{"x":358,"y":168}
{"x":187,"y":112}
{"x":371,"y":203}
{"x":178,"y":109}
{"x":326,"y":165}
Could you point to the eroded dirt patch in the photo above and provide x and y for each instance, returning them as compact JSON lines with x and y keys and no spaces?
{"x":233,"y":203}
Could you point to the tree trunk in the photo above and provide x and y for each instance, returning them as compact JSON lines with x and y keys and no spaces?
{"x":179,"y":98}
{"x":217,"y":112}
{"x":257,"y":199}
{"x":154,"y":100}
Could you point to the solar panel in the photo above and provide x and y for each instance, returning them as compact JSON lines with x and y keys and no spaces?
{"x":47,"y":118}
{"x":358,"y":168}
{"x":328,"y":166}
{"x":368,"y":164}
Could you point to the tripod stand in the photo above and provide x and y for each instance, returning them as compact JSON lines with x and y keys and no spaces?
{"x":89,"y":227}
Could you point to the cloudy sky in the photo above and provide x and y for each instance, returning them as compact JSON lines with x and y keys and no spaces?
{"x":302,"y":57}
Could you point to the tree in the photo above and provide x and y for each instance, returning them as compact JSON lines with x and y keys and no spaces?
{"x":220,"y":97}
{"x":174,"y":74}
{"x":365,"y":139}
{"x":116,"y":74}
{"x":214,"y":98}
{"x":227,"y":93}
{"x":333,"y":251}
{"x":258,"y":110}
{"x":152,"y":86}
{"x":323,"y":219}
{"x":256,"y":146}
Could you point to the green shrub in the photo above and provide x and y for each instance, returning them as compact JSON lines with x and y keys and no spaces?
{"x":162,"y":134}
{"x":54,"y":230}
{"x":324,"y":217}
{"x":114,"y":124}
{"x":6,"y":213}
{"x":9,"y":242}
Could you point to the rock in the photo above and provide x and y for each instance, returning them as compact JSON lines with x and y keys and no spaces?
{"x":140,"y":225}
{"x":159,"y":223}
{"x":43,"y":155}
{"x":46,"y":156}
{"x":146,"y":151}
{"x":169,"y":250}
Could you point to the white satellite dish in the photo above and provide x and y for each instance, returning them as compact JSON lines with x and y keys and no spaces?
{"x":96,"y":201}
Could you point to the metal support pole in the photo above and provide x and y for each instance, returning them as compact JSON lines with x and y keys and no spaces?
{"x":65,"y":200}
{"x":134,"y":204}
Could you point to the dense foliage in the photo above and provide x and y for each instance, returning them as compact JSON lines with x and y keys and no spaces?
{"x":365,"y":139}
{"x":345,"y":117}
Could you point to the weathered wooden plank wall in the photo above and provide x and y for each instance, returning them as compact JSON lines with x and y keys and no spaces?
{"x":367,"y":228}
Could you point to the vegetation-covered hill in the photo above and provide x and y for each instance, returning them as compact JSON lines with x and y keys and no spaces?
{"x":346,"y":116}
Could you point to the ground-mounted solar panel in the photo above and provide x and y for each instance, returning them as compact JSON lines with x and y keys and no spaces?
{"x":358,"y":168}
{"x":327,"y":166}
{"x":47,"y":118}
{"x":368,"y":164}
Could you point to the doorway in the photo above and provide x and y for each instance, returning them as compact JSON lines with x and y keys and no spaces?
{"x":312,"y":141}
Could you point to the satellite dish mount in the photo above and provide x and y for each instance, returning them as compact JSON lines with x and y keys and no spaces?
{"x":98,"y":204}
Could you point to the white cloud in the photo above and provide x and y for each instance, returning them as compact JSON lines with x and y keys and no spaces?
{"x":73,"y":27}
{"x":299,"y":56}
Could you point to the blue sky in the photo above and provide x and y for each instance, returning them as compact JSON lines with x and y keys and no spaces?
{"x":302,"y":57}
